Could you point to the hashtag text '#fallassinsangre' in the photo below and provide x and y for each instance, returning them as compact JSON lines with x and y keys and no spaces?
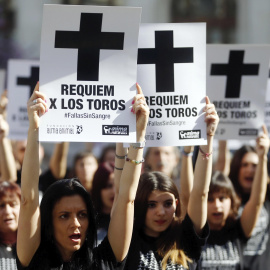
{"x":87,"y":115}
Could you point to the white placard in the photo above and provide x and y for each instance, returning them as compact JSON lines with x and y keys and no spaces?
{"x":22,"y":76}
{"x":236,"y":84}
{"x":267,"y":105}
{"x":88,"y":72}
{"x":2,"y":80}
{"x":171,"y":72}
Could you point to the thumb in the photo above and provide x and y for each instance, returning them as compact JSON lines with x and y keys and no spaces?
{"x":207,"y":100}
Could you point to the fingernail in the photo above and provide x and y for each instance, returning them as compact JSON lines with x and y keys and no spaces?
{"x":45,"y":100}
{"x":132,"y":110}
{"x":132,"y":102}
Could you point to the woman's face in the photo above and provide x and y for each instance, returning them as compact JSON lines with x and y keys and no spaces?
{"x":70,"y":224}
{"x":218,"y":209}
{"x":9,"y":213}
{"x":107,"y":195}
{"x":247,"y":171}
{"x":85,"y":169}
{"x":160,"y":212}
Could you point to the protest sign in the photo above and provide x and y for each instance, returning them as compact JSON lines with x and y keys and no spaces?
{"x":88,"y":72}
{"x":171,"y":71}
{"x":2,"y":80}
{"x":267,"y":104}
{"x":236,"y":84}
{"x":22,"y":76}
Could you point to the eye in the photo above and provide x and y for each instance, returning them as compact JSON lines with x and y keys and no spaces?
{"x":13,"y":204}
{"x":83,"y":215}
{"x":151,"y":205}
{"x":63,"y":216}
{"x":2,"y":205}
{"x":168,"y":204}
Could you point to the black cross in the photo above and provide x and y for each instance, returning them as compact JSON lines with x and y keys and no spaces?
{"x":164,"y":55}
{"x":234,"y":71}
{"x":89,"y":41}
{"x":30,"y":81}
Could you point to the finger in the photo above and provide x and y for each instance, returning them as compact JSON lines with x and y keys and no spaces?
{"x":264,"y":128}
{"x":139,"y":89}
{"x":34,"y":92}
{"x":207,"y":100}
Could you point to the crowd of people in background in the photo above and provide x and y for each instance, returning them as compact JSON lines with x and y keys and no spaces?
{"x":171,"y":210}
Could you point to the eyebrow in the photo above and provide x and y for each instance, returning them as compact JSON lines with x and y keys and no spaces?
{"x":169,"y":200}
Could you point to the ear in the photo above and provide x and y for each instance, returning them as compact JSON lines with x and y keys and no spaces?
{"x":176,"y":202}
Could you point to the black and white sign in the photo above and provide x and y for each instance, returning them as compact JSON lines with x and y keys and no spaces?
{"x":171,"y":71}
{"x":22,"y":76}
{"x":2,"y":80}
{"x":236,"y":84}
{"x":267,"y":104}
{"x":88,"y":72}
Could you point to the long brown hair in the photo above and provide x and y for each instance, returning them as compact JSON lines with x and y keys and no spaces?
{"x":168,"y":246}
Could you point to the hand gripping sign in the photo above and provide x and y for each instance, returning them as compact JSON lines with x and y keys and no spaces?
{"x":88,"y":72}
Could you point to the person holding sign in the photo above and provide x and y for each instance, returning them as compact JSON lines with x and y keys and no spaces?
{"x":228,"y":234}
{"x":161,"y":240}
{"x":61,"y":233}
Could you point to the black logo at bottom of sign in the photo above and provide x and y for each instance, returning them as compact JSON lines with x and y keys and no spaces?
{"x":79,"y":129}
{"x":248,"y":132}
{"x":115,"y":130}
{"x":189,"y":134}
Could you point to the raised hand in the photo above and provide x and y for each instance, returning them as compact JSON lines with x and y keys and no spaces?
{"x":141,"y":109}
{"x":262,"y":142}
{"x":36,"y":107}
{"x":211,"y":117}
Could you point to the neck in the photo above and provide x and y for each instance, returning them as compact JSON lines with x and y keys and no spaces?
{"x":9,"y":238}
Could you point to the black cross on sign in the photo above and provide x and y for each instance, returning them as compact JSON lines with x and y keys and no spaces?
{"x":89,"y":41}
{"x":164,"y":55}
{"x":30,"y":81}
{"x":234,"y":71}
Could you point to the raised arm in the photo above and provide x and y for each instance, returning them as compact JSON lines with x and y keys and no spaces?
{"x":121,"y":225}
{"x":186,"y":178}
{"x":7,"y":160}
{"x":58,"y":161}
{"x":223,"y":159}
{"x":197,"y":205}
{"x":252,"y":208}
{"x":28,"y":238}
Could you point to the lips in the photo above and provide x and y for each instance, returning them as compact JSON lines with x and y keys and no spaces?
{"x":160,"y":222}
{"x":8,"y":220}
{"x":75,"y":237}
{"x":249,"y":179}
{"x":217,"y":215}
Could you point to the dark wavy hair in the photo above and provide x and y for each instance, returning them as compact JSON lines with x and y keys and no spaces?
{"x":58,"y":190}
{"x":236,"y":165}
{"x":168,"y":242}
{"x":100,"y":181}
{"x":220,"y":182}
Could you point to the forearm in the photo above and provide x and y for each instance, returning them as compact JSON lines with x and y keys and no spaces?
{"x":31,"y":168}
{"x":58,"y":161}
{"x":197,"y":206}
{"x":186,"y":178}
{"x":223,"y":160}
{"x":7,"y":161}
{"x":252,"y":208}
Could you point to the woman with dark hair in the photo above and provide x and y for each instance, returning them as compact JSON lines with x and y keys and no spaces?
{"x":61,"y":233}
{"x":10,"y":196}
{"x":161,"y":240}
{"x":228,"y":231}
{"x":103,"y":197}
{"x":85,"y":166}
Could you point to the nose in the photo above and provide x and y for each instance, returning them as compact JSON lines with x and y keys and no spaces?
{"x":160,"y":210}
{"x":217,"y":203}
{"x":7,"y":209}
{"x":76,"y":223}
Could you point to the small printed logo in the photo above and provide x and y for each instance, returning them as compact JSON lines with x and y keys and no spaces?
{"x":189,"y":134}
{"x":79,"y":129}
{"x":115,"y":130}
{"x":159,"y":135}
{"x":248,"y":132}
